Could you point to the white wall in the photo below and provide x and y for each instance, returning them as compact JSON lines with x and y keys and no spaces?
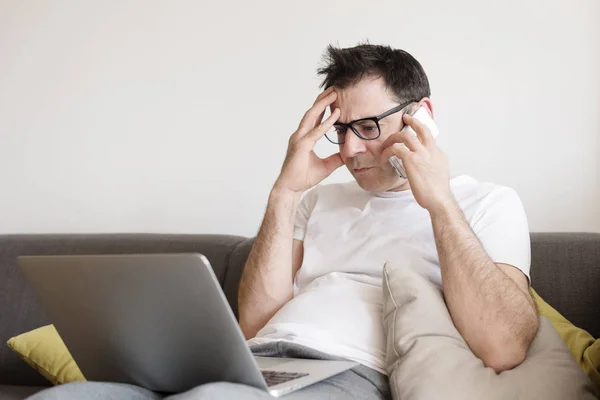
{"x":156,"y":116}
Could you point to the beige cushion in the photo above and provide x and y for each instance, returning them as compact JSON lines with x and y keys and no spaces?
{"x":428,"y":359}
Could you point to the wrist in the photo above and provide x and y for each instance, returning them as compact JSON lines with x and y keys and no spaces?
{"x":278,"y":192}
{"x":445,"y":207}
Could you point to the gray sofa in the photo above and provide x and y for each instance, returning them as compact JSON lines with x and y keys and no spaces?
{"x":565,"y":271}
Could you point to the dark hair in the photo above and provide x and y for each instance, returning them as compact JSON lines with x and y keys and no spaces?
{"x":402,"y":73}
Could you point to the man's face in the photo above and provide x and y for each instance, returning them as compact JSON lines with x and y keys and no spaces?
{"x":369,"y":98}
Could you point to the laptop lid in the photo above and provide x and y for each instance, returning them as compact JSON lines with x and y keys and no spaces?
{"x":160,"y":321}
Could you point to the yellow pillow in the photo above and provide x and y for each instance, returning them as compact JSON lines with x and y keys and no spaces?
{"x":581,"y":344}
{"x":44,"y":351}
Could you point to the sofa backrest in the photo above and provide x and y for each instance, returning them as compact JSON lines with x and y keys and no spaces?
{"x":565,"y":271}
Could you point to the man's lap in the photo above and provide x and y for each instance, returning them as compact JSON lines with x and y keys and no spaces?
{"x":360,"y":383}
{"x":338,"y":387}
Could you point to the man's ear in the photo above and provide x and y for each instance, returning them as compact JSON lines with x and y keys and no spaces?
{"x":427,"y":104}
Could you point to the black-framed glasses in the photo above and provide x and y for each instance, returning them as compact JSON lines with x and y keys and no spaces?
{"x":364,"y":128}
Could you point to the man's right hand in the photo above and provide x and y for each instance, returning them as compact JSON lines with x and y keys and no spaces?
{"x":302,"y":168}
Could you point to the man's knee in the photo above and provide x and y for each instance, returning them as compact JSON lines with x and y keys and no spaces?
{"x":222,"y":390}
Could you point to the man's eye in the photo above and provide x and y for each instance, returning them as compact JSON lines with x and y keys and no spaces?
{"x":369,"y":128}
{"x":340,"y":130}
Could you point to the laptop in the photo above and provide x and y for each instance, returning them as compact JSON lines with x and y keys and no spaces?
{"x":159,"y":321}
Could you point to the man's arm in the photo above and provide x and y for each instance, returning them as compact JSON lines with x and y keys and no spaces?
{"x":267,"y":280}
{"x":489,"y":303}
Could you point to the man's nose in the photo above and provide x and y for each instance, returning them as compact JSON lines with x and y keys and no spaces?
{"x":353,"y":145}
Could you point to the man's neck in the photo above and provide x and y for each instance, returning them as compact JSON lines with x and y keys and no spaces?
{"x":404,"y":186}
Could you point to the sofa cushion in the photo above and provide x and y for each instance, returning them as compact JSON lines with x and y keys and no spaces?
{"x":43,"y":350}
{"x":427,"y":358}
{"x":584,"y":348}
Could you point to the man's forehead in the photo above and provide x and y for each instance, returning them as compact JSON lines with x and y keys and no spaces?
{"x":367,"y":98}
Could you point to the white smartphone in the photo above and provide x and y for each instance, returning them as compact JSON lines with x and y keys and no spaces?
{"x":422,"y":115}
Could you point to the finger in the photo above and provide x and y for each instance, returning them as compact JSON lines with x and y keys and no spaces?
{"x":423,"y":132}
{"x":407,"y":137}
{"x":320,"y":106}
{"x":323,"y":94}
{"x":320,"y":117}
{"x":397,"y":149}
{"x":318,"y":132}
{"x":332,"y":163}
{"x":309,"y":121}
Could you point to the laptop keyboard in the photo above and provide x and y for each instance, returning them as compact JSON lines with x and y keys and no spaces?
{"x":276,"y":377}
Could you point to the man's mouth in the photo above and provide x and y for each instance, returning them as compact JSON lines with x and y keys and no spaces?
{"x":361,"y":170}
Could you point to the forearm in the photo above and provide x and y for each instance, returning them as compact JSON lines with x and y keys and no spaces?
{"x":494,"y":316}
{"x":267,"y":281}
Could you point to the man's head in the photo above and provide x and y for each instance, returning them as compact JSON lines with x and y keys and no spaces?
{"x":371,"y":80}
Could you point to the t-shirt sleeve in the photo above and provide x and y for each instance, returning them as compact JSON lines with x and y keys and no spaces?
{"x":501,"y":226}
{"x":305,"y":207}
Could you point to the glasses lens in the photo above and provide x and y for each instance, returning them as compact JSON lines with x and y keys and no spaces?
{"x":336,"y":134}
{"x":367,"y":129}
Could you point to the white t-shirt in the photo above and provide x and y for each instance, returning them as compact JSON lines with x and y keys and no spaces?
{"x":349,"y":234}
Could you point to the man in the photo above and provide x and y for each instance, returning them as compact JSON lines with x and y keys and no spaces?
{"x":312,"y":282}
{"x":314,"y":274}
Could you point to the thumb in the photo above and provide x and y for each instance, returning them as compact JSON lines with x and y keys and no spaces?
{"x":333,"y":162}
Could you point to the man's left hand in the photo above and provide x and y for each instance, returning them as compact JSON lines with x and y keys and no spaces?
{"x":425,"y":163}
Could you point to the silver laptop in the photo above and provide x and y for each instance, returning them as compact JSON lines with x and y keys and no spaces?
{"x":160,"y":321}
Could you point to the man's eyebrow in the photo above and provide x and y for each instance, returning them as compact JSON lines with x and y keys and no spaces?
{"x":357,"y":119}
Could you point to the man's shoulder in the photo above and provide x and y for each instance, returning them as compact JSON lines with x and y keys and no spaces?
{"x":468,"y":191}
